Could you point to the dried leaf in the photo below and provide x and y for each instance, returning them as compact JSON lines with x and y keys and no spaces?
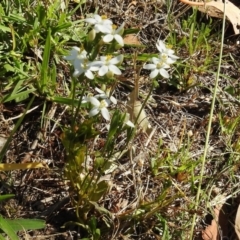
{"x":211,"y":231}
{"x":132,"y":3}
{"x":216,"y":9}
{"x":131,"y":39}
{"x":219,"y":225}
{"x":237,"y":222}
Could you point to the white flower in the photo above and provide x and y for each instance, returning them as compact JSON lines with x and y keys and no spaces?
{"x":86,"y":99}
{"x":99,"y":106}
{"x":157,"y":67}
{"x":127,"y":121}
{"x":107,"y":65}
{"x":101,"y":23}
{"x":115,"y":34}
{"x":167,"y":54}
{"x":84,"y":66}
{"x":75,"y":53}
{"x":78,"y":57}
{"x":105,"y":95}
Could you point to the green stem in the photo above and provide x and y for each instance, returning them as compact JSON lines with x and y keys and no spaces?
{"x":206,"y":147}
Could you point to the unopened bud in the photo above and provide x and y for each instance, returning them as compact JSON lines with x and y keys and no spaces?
{"x":92,"y":35}
{"x":110,"y":74}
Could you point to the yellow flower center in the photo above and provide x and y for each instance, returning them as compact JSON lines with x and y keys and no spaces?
{"x":104,"y":17}
{"x":102,"y":104}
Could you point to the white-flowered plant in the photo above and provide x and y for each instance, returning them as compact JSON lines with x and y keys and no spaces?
{"x":159,"y":64}
{"x":107,"y":65}
{"x":99,"y":106}
{"x":84,"y":66}
{"x":105,"y":95}
{"x":167,"y":54}
{"x":116,"y":33}
{"x":80,"y":62}
{"x":86,"y":99}
{"x":75,"y":53}
{"x":97,"y":59}
{"x":100,"y":23}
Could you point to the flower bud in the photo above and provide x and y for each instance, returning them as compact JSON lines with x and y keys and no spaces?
{"x":91,"y":35}
{"x":110,"y":74}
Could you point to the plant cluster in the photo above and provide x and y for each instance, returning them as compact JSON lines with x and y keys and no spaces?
{"x":97,"y":62}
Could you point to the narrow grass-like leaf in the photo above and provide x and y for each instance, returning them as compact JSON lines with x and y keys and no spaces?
{"x":61,"y":27}
{"x":25,"y":224}
{"x":18,"y":97}
{"x":141,"y":57}
{"x":6,"y":197}
{"x":5,"y":29}
{"x":7,"y":228}
{"x":45,"y":63}
{"x":63,"y":100}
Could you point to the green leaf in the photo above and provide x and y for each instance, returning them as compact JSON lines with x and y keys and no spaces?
{"x":61,"y":27}
{"x":142,"y":57}
{"x":9,"y":68}
{"x":6,"y":197}
{"x":64,"y":100}
{"x":25,"y":224}
{"x":5,"y":29}
{"x":45,"y":63}
{"x":18,"y":97}
{"x":2,"y":238}
{"x":131,"y":31}
{"x":99,"y":191}
{"x":8,"y":228}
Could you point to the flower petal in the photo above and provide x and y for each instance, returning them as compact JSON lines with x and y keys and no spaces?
{"x":72,"y":54}
{"x":103,"y":70}
{"x":149,"y":66}
{"x":164,"y":73}
{"x":105,"y":113}
{"x":97,"y":17}
{"x":113,"y":100}
{"x":130,"y":124}
{"x":78,"y":72}
{"x":120,"y":30}
{"x":99,"y":90}
{"x":115,"y":69}
{"x":108,"y":38}
{"x":156,"y":60}
{"x":94,"y":101}
{"x":154,"y":73}
{"x":94,"y":111}
{"x":116,"y":60}
{"x":89,"y":74}
{"x":90,"y":20}
{"x":119,"y":39}
{"x":103,"y":28}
